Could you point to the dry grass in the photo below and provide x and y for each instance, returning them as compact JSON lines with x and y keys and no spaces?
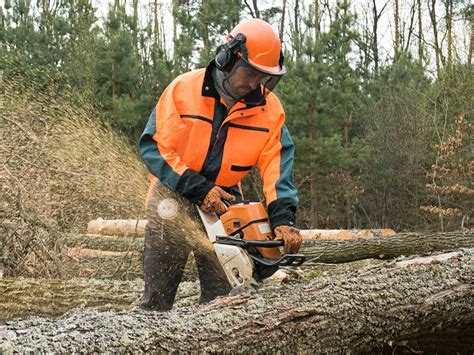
{"x":60,"y":167}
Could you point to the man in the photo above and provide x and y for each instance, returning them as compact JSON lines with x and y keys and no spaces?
{"x":209,"y":128}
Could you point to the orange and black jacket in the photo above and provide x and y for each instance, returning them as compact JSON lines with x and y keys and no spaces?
{"x":191,"y":143}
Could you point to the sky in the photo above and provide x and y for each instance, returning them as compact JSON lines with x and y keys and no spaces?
{"x":362,"y":7}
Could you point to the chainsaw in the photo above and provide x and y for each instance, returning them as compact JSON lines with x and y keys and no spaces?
{"x":243,"y":241}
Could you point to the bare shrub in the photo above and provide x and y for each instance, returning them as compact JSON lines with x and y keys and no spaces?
{"x":452,"y":176}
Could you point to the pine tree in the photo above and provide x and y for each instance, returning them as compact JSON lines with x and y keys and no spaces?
{"x":118,"y":72}
{"x":323,"y":122}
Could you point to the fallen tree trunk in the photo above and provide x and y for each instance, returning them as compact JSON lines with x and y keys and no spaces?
{"x":342,"y":251}
{"x":21,"y":297}
{"x":362,"y":311}
{"x":324,"y":251}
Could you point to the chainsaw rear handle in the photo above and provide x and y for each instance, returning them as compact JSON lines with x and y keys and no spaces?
{"x":224,"y":239}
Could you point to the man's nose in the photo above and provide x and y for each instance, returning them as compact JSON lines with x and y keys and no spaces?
{"x":253,"y":83}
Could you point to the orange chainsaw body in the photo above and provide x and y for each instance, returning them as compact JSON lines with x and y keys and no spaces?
{"x":250,"y":221}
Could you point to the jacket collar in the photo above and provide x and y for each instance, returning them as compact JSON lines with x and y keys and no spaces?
{"x":209,"y":89}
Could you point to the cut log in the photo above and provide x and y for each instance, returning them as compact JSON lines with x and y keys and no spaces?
{"x":84,"y":252}
{"x":136,"y":227}
{"x":364,"y":311}
{"x":343,"y":234}
{"x":118,"y":227}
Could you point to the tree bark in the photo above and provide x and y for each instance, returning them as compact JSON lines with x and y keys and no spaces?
{"x":420,"y":34}
{"x":297,"y":28}
{"x":397,"y":32}
{"x":341,"y":251}
{"x":206,"y":42}
{"x":317,"y":21}
{"x":471,"y":41}
{"x":336,"y":250}
{"x":126,"y":245}
{"x":135,"y":23}
{"x":406,"y":45}
{"x":312,"y":182}
{"x":257,"y":11}
{"x":375,"y":42}
{"x":374,"y":308}
{"x":434,"y":23}
{"x":449,"y":29}
{"x":347,"y":199}
{"x":156,"y":27}
{"x":282,"y":23}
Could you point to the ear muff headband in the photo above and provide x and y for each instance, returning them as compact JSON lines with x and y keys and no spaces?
{"x":226,"y":54}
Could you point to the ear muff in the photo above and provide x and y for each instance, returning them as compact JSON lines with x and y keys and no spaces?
{"x":223,"y":56}
{"x":226,"y":54}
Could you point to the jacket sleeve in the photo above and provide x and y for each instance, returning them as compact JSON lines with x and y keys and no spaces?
{"x":159,"y":145}
{"x":276,"y":169}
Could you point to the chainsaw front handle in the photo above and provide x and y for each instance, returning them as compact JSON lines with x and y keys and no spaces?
{"x":225,"y":239}
{"x":285,"y":260}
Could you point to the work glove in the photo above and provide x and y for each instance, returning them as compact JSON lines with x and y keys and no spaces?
{"x":213,"y":200}
{"x":291,"y":237}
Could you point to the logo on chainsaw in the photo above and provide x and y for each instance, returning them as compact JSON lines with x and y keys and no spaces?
{"x":168,"y":208}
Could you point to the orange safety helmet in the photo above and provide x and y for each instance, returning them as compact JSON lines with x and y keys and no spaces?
{"x":260,"y":46}
{"x":263,"y":45}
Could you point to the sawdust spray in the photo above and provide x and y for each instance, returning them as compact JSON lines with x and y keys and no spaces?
{"x":62,"y":167}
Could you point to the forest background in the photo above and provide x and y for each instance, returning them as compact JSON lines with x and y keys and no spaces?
{"x":383,"y":132}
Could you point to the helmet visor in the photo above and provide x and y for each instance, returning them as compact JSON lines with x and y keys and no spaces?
{"x":248,"y":84}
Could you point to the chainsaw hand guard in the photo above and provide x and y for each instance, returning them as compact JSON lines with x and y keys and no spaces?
{"x":285,"y":260}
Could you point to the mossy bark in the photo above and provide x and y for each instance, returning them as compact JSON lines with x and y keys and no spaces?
{"x":371,"y":308}
{"x":342,"y":251}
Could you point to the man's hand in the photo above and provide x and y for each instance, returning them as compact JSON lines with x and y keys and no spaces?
{"x":213,"y":200}
{"x":290,"y":236}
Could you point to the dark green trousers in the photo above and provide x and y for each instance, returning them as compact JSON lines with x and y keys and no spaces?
{"x":174,"y":230}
